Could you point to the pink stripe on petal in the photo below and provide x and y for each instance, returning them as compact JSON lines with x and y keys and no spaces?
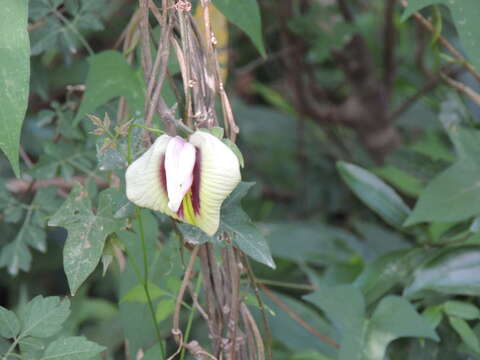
{"x":196,"y":182}
{"x":163,"y":175}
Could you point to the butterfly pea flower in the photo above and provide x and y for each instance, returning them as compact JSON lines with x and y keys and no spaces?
{"x":187,"y":180}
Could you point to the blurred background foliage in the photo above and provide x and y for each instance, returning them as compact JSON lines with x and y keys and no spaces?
{"x":348,"y":129}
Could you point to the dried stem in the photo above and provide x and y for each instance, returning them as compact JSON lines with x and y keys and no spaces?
{"x":145,"y":30}
{"x":255,"y":282}
{"x":231,"y":127}
{"x":181,"y":292}
{"x":461,"y":87}
{"x":253,"y":326}
{"x":26,"y":159}
{"x":200,"y":73}
{"x":234,"y":299}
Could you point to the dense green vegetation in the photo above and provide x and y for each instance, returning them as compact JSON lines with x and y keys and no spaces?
{"x":354,"y":233}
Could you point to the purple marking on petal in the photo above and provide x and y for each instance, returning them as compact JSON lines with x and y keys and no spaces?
{"x":196,"y":182}
{"x":163,"y":175}
{"x":180,"y":211}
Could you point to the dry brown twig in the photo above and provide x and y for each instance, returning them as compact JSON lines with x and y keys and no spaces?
{"x":181,"y":292}
{"x":145,"y":39}
{"x":229,"y":120}
{"x":251,"y":325}
{"x":200,"y":72}
{"x":461,"y":87}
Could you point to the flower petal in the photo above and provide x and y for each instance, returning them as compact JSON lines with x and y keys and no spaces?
{"x":219,"y":175}
{"x":144,"y":178}
{"x":179,"y":162}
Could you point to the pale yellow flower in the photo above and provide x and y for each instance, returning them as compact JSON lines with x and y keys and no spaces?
{"x":187,"y":180}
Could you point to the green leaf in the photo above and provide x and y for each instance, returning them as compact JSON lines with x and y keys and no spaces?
{"x":461,"y":310}
{"x":466,"y":333}
{"x":154,"y":353}
{"x":121,"y":206}
{"x":387,"y":272}
{"x":61,"y":159}
{"x":47,"y":36}
{"x":9,"y":324}
{"x":137,"y":293}
{"x":246,"y":15}
{"x":110,"y":158}
{"x":465,"y":15}
{"x":363,"y":338}
{"x":377,"y":195}
{"x":349,"y":320}
{"x":453,"y":195}
{"x":16,"y":256}
{"x":87,"y":232}
{"x":40,"y":9}
{"x":452,"y":271}
{"x":4,"y":346}
{"x":217,"y":131}
{"x":110,"y":76}
{"x":32,"y":348}
{"x":43,"y":317}
{"x":72,"y":348}
{"x":310,"y":355}
{"x":247,"y":236}
{"x":62,"y":33}
{"x":165,"y":307}
{"x":394,"y":318}
{"x":14,"y":77}
{"x":433,"y":315}
{"x":314,"y":242}
{"x":406,"y":183}
{"x":136,"y":318}
{"x":290,"y":333}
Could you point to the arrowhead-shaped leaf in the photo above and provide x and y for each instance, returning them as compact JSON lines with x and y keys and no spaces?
{"x":349,"y":320}
{"x":87,"y":232}
{"x":394,"y":318}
